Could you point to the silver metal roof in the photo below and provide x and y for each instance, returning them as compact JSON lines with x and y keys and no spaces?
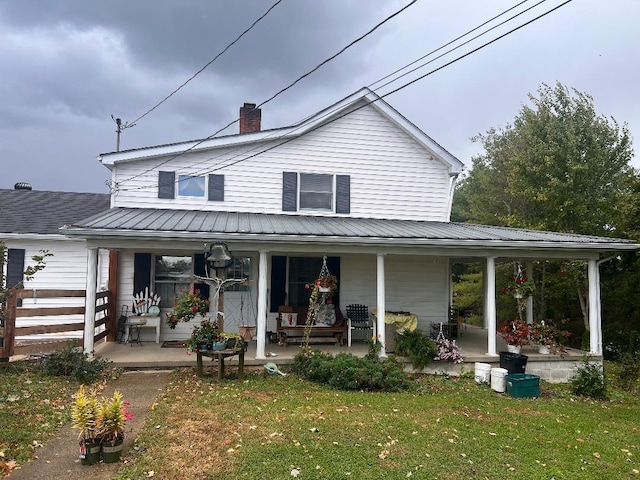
{"x":134,"y":223}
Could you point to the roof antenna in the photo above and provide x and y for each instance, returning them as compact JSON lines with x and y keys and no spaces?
{"x":119,"y":128}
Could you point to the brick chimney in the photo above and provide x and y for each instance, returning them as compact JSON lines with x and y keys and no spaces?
{"x":250,"y":118}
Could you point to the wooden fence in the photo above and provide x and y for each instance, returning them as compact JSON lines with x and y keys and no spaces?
{"x":9,"y":331}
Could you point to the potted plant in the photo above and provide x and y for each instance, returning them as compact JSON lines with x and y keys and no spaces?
{"x":515,"y":333}
{"x":548,"y":336}
{"x":84,"y":411}
{"x":187,"y":306}
{"x":326,"y":284}
{"x":232,"y":341}
{"x":110,"y":422}
{"x":520,"y":286}
{"x":203,"y":336}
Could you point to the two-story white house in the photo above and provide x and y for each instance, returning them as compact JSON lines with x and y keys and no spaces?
{"x":356,"y":182}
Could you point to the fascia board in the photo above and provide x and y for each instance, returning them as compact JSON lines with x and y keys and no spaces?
{"x":532,"y":247}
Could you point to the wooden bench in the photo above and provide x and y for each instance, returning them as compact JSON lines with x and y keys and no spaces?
{"x":317,"y":333}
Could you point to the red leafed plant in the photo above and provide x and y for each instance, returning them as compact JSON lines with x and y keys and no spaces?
{"x":515,"y":332}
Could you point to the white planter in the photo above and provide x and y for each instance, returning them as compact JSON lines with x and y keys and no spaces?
{"x":513,"y":348}
{"x":544,"y":349}
{"x":324,"y":289}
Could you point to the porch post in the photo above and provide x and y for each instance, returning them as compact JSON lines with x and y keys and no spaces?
{"x":595,"y":326}
{"x":490,"y":304}
{"x":380,"y":303}
{"x":262,"y":305}
{"x":90,"y":300}
{"x":530,"y":297}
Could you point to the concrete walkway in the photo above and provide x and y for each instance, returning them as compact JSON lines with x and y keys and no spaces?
{"x":58,"y":459}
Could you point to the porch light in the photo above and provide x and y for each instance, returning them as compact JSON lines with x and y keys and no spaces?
{"x":218,"y":255}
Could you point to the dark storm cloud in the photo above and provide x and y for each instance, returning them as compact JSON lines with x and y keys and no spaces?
{"x":68,"y":65}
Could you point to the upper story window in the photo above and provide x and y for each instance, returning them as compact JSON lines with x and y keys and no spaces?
{"x":210,"y":186}
{"x":191,"y":186}
{"x":316,"y":191}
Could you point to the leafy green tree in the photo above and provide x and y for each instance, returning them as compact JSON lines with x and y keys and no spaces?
{"x":558,"y":167}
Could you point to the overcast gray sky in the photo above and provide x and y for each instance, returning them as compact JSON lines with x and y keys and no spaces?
{"x":68,"y":65}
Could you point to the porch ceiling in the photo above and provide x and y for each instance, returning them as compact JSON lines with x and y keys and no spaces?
{"x":156,"y":224}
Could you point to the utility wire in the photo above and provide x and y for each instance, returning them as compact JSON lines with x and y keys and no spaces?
{"x":380,"y":97}
{"x":454,"y":40}
{"x":451,"y":49}
{"x":209,"y":63}
{"x":341,"y":51}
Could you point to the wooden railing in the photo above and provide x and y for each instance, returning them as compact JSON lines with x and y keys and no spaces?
{"x":9,"y":331}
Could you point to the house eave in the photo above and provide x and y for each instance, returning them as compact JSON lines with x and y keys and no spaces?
{"x":446,"y":246}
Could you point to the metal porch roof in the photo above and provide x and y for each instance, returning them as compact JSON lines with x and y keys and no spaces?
{"x":175,"y":224}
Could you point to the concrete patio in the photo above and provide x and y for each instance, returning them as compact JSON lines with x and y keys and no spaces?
{"x":473,"y":344}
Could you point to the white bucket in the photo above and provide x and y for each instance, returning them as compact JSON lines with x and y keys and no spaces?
{"x":483,"y":372}
{"x":499,"y":379}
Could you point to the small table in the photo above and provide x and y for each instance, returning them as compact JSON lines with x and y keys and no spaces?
{"x":221,"y":355}
{"x":149,"y":321}
{"x":136,"y":324}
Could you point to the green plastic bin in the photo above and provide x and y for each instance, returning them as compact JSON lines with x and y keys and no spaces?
{"x":523,"y":385}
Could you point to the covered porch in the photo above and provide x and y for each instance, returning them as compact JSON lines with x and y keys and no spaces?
{"x":388,"y":265}
{"x":472,"y":342}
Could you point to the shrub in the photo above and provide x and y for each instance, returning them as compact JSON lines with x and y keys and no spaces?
{"x":73,"y":362}
{"x":417,"y":346}
{"x":588,"y":381}
{"x":348,"y":372}
{"x":628,"y":371}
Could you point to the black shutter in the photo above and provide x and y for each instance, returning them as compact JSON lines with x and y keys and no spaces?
{"x":289,"y":191}
{"x":199,"y":270}
{"x":141,"y":272}
{"x":166,"y":184}
{"x":343,"y":194}
{"x":216,"y":188}
{"x":278,"y":279}
{"x":333,"y":264}
{"x":15,"y":269}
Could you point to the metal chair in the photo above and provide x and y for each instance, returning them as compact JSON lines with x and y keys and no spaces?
{"x":358,"y":319}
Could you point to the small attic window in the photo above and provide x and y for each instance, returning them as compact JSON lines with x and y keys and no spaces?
{"x":191,"y":186}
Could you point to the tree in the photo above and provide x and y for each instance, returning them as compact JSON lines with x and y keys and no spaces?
{"x":558,"y":167}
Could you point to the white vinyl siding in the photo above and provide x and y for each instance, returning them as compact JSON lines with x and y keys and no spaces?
{"x":417,"y":284}
{"x":392,"y":176}
{"x":65,"y":270}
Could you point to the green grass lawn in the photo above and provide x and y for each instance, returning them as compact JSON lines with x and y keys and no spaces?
{"x":282,"y":427}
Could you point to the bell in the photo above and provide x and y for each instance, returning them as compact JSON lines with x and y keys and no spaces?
{"x":218,"y":255}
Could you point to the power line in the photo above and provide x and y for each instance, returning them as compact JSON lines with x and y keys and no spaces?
{"x":332,"y":57}
{"x":454,"y":48}
{"x":207,"y":64}
{"x":380,"y":97}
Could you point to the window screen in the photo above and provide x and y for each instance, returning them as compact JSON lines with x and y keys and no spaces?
{"x":316,"y":191}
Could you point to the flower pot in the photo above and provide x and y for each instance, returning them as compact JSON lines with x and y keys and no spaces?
{"x":231,"y":343}
{"x":219,"y":345}
{"x":111,"y":452}
{"x":324,"y":289}
{"x":544,"y":349}
{"x":246,"y":332}
{"x":89,"y":452}
{"x":513,"y":348}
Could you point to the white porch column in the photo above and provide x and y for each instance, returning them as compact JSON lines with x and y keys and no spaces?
{"x":380,"y":304}
{"x":530,"y":297}
{"x":490,"y":304}
{"x":262,"y":305}
{"x":90,"y":300}
{"x":595,"y":326}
